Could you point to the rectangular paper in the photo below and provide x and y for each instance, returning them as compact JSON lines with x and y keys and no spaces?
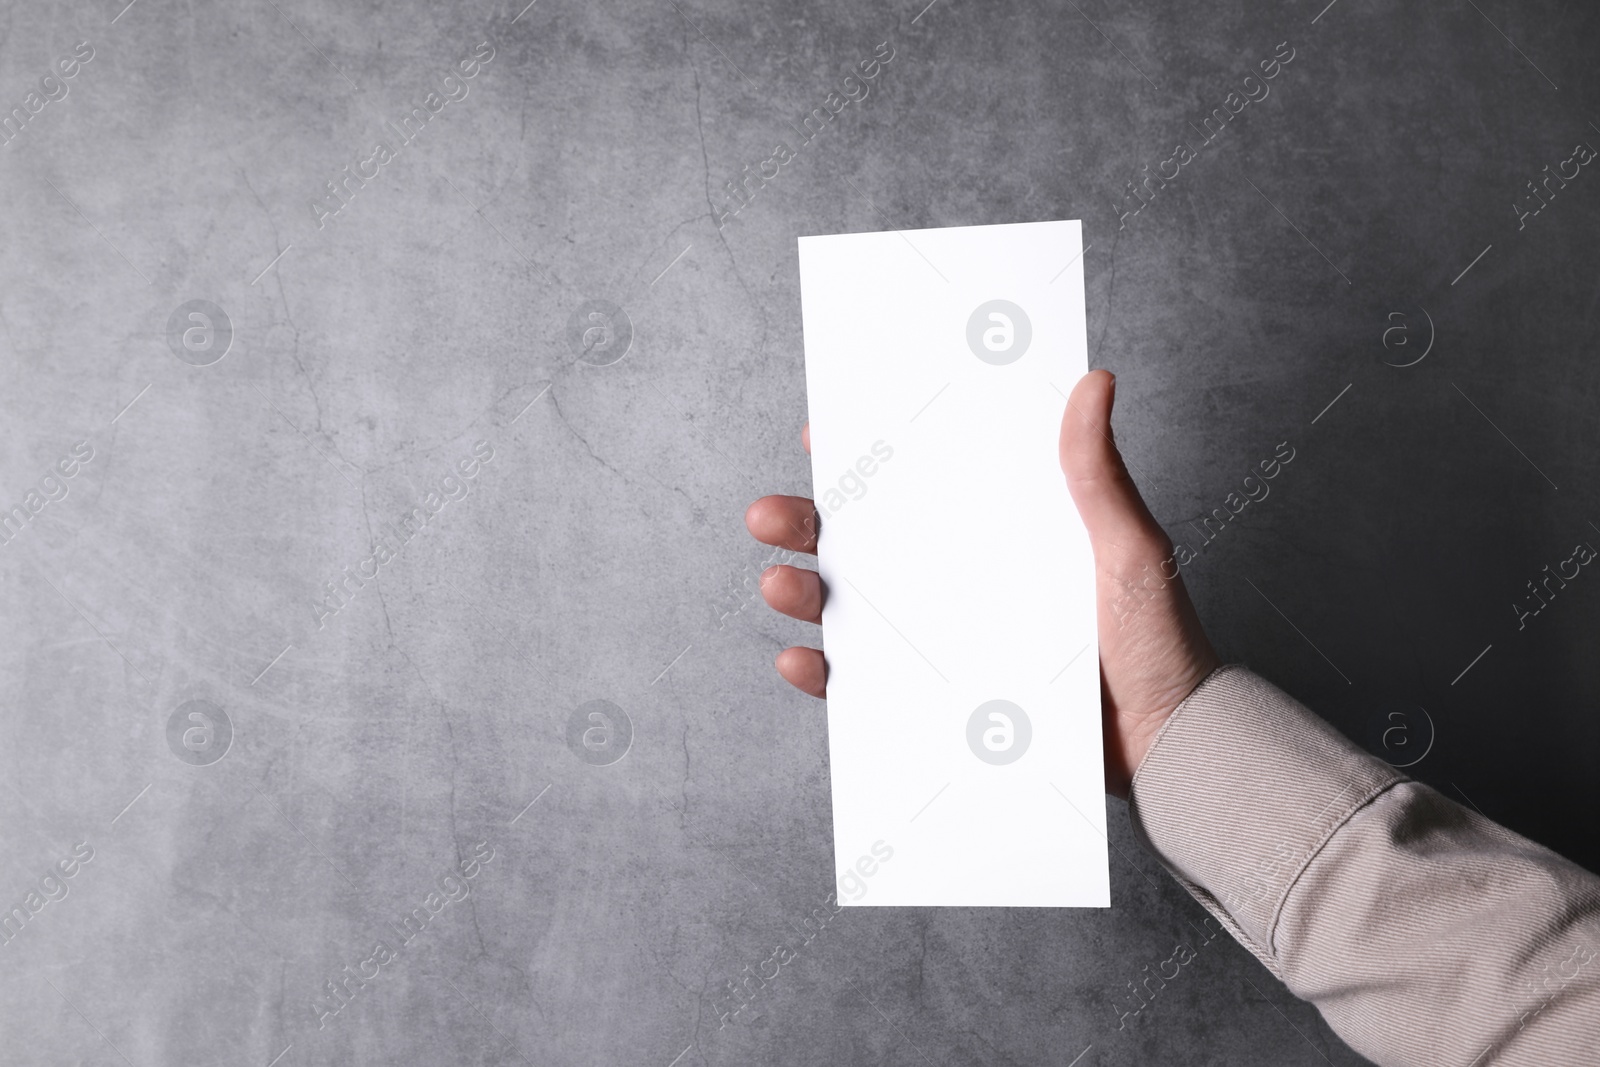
{"x":956,"y":570}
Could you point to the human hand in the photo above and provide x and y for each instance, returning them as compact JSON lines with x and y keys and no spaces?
{"x":1153,"y":651}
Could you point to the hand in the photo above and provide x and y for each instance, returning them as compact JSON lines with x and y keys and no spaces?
{"x":1153,"y":651}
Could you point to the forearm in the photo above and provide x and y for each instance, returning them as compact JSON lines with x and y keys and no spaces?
{"x":1423,"y":932}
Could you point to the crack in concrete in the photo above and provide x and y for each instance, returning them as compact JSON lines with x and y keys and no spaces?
{"x":733,"y":261}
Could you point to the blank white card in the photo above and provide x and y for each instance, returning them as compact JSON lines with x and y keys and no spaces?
{"x":959,"y":622}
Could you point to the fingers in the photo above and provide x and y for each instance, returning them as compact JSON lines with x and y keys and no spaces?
{"x":785,"y":521}
{"x":1107,"y":499}
{"x":791,"y":522}
{"x":805,"y":669}
{"x":795,"y":592}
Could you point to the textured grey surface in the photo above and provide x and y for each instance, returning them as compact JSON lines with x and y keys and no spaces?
{"x":600,"y":554}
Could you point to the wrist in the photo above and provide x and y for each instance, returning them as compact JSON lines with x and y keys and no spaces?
{"x":1133,"y":731}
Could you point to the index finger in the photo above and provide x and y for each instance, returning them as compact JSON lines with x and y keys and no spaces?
{"x":785,"y":521}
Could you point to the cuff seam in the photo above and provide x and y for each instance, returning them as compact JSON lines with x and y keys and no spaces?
{"x":1133,"y":783}
{"x":1371,"y":794}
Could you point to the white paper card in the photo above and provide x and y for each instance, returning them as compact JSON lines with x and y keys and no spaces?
{"x":956,"y":570}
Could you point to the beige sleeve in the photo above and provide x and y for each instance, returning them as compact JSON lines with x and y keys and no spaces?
{"x":1423,"y":932}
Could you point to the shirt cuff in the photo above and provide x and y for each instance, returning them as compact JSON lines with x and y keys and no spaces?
{"x":1240,"y":790}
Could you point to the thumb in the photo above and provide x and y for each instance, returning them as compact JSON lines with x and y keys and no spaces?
{"x":1108,"y":502}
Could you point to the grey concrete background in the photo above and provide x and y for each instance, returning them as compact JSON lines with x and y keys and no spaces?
{"x":600,"y":554}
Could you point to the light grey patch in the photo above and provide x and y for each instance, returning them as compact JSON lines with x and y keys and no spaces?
{"x":600,"y":333}
{"x":599,"y":733}
{"x":199,"y":733}
{"x":998,"y":332}
{"x":999,"y":732}
{"x":199,"y":333}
